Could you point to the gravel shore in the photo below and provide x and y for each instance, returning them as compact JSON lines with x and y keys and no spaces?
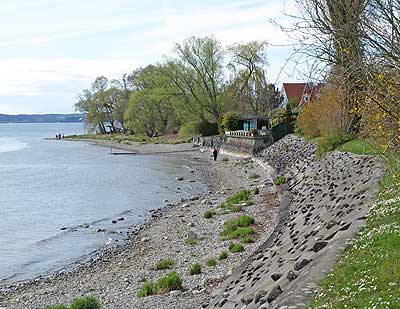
{"x":117,"y":275}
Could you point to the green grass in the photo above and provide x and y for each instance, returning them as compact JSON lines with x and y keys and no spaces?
{"x":164,"y":264}
{"x":211,"y":262}
{"x":194,"y":269}
{"x":209,"y":214}
{"x":247,"y":240}
{"x":367,"y":275}
{"x":238,"y":227}
{"x":280,"y":180}
{"x":358,"y":146}
{"x":223,"y":255}
{"x":191,"y":242}
{"x":236,"y":248}
{"x":235,"y":201}
{"x":330,"y":142}
{"x":87,"y":302}
{"x":170,"y":282}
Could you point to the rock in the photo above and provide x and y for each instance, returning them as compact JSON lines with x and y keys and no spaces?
{"x":179,"y":178}
{"x":222,"y":302}
{"x":100,"y":230}
{"x":319,"y":245}
{"x":263,"y":300}
{"x":63,"y":229}
{"x":191,"y":224}
{"x":247,"y":299}
{"x":330,"y":224}
{"x":175,"y":293}
{"x":204,"y":281}
{"x":291,"y":275}
{"x":204,"y":305}
{"x":301,"y":264}
{"x":264,"y":306}
{"x":276,"y":291}
{"x":121,"y":219}
{"x":276,"y":276}
{"x":145,"y":239}
{"x":192,"y":235}
{"x":127,"y":281}
{"x":114,"y":221}
{"x":194,"y":198}
{"x":260,"y":294}
{"x":225,"y":294}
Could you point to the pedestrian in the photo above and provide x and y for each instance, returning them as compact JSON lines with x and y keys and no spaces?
{"x":215,"y":154}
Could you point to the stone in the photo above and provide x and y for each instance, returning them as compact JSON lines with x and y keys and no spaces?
{"x":276,"y":276}
{"x":247,"y":299}
{"x":301,"y":264}
{"x":63,"y":229}
{"x":192,"y":235}
{"x":114,"y":221}
{"x":319,"y":245}
{"x":121,"y":219}
{"x":291,"y":275}
{"x":175,"y":293}
{"x":259,"y":294}
{"x":222,"y":302}
{"x":275,"y":292}
{"x":179,"y":178}
{"x":204,"y":305}
{"x":263,"y":300}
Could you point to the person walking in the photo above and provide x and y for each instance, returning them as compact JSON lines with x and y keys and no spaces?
{"x":215,"y":154}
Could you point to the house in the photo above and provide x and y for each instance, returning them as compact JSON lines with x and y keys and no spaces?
{"x":299,"y":93}
{"x":249,"y":123}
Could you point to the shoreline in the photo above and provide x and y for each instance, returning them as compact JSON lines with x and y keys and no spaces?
{"x":221,"y":180}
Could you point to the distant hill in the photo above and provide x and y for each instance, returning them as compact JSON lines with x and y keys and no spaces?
{"x":45,"y":118}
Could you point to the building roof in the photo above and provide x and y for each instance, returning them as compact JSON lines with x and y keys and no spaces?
{"x":294,"y":91}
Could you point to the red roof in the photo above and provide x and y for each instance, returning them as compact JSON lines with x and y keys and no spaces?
{"x":294,"y":91}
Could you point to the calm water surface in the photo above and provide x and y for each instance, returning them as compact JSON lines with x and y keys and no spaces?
{"x":47,"y":185}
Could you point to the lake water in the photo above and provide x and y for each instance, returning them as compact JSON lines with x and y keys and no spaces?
{"x":48,"y":185}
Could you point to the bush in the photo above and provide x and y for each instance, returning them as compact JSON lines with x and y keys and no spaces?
{"x":223,"y":255}
{"x":232,"y":201}
{"x":280,"y":180}
{"x":170,"y":282}
{"x":211,"y":262}
{"x":194,"y":128}
{"x":247,"y":240}
{"x":331,"y":142}
{"x":237,"y":228}
{"x":87,"y":302}
{"x":195,"y":269}
{"x":209,"y":214}
{"x":236,"y":248}
{"x":164,"y":264}
{"x":230,"y":122}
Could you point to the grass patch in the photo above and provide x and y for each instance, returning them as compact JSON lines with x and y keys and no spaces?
{"x":330,"y":142}
{"x":247,"y":240}
{"x":191,"y":242}
{"x":236,"y":248}
{"x":164,"y":264}
{"x":211,"y":262}
{"x":223,"y":255}
{"x":254,"y":176}
{"x":209,"y":214}
{"x":280,"y":180}
{"x":170,"y":282}
{"x":238,"y":227}
{"x":236,"y":201}
{"x":195,"y":269}
{"x":367,"y":275}
{"x":358,"y":146}
{"x":87,"y":302}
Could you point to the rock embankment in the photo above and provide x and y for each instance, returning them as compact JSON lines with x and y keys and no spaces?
{"x":328,"y":199}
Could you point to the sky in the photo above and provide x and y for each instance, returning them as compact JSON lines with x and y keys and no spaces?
{"x":50,"y":50}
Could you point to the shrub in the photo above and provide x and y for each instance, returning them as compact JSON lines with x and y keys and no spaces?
{"x":195,"y":269}
{"x":164,"y":264}
{"x":247,"y":240}
{"x":236,"y":248}
{"x":211,"y":262}
{"x":232,"y":201}
{"x":209,"y":214}
{"x":87,"y":302}
{"x":194,"y":128}
{"x":238,"y":227}
{"x":170,"y":282}
{"x":223,"y":255}
{"x":280,"y":180}
{"x":230,"y":122}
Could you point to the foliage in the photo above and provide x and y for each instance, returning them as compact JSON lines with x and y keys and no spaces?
{"x":209,"y":214}
{"x":223,"y":255}
{"x":87,"y":302}
{"x":280,"y":180}
{"x":164,"y":264}
{"x":236,"y":248}
{"x":330,"y":142}
{"x":170,"y":282}
{"x":247,"y":240}
{"x":238,"y":227}
{"x":195,"y":269}
{"x":230,"y":122}
{"x":366,"y":275}
{"x":194,"y":128}
{"x":211,"y":262}
{"x":233,"y":202}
